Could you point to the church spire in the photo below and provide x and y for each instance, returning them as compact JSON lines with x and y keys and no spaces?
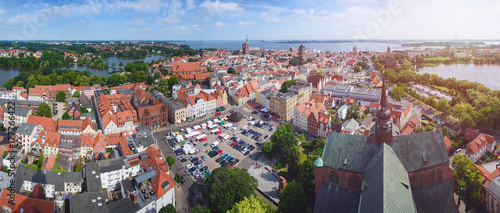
{"x":246,"y":40}
{"x":383,"y":133}
{"x":383,"y":99}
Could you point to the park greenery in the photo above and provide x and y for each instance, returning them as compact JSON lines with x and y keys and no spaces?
{"x":473,"y":104}
{"x":66,"y":116}
{"x":48,"y":76}
{"x":61,"y":96}
{"x":467,"y":181}
{"x":227,"y":186}
{"x":132,"y":54}
{"x":284,"y":146}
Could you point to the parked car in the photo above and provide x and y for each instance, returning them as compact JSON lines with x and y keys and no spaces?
{"x":182,"y":180}
{"x":192,"y":169}
{"x":184,"y":160}
{"x":198,"y":162}
{"x":194,"y":159}
{"x":189,"y":166}
{"x":219,"y":159}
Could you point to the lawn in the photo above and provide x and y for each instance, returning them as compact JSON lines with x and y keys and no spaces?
{"x":302,"y":158}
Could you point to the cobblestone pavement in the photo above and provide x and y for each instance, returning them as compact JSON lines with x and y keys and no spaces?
{"x":268,"y":182}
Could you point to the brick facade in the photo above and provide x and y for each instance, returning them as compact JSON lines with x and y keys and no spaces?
{"x":343,"y":179}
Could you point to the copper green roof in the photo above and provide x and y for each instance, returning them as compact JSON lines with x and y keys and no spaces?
{"x":348,"y":152}
{"x":386,"y":187}
{"x":318,"y":162}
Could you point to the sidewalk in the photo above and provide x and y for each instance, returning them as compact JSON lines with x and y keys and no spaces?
{"x":268,"y":182}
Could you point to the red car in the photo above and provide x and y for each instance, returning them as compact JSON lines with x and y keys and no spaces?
{"x":220,"y":151}
{"x":234,"y":143}
{"x":218,"y":113}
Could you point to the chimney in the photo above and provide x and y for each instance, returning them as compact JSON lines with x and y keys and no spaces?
{"x":282,"y":183}
{"x":134,"y":197}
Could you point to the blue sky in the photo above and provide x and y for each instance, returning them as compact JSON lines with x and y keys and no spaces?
{"x":221,"y":19}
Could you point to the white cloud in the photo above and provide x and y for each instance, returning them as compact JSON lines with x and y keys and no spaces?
{"x":145,"y":29}
{"x":218,"y":7}
{"x":83,"y":21}
{"x":172,"y":18}
{"x":190,"y":4}
{"x":137,"y":21}
{"x":245,"y":23}
{"x":205,"y":19}
{"x":220,"y":24}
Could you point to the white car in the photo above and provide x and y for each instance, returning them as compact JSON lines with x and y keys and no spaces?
{"x":177,"y":147}
{"x":189,"y":166}
{"x":244,"y":150}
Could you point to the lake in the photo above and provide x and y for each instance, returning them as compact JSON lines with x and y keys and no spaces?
{"x":8,"y":72}
{"x":488,"y":75}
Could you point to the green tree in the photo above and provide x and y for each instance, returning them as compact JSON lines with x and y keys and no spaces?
{"x":78,"y":166}
{"x":302,"y":138}
{"x":95,"y":79}
{"x":431,"y":101}
{"x":61,"y":96}
{"x":267,"y":149}
{"x":293,"y":164}
{"x":150,"y":79}
{"x":66,"y":116}
{"x":172,"y":81}
{"x":445,"y":131}
{"x":199,"y":209}
{"x":163,"y":86}
{"x":294,"y":62}
{"x":113,"y":64}
{"x":20,"y":84}
{"x":40,"y":161}
{"x":285,"y":144}
{"x":82,"y":80}
{"x":442,"y":105}
{"x":177,"y":178}
{"x":170,"y":161}
{"x":467,"y":181}
{"x":225,"y":187}
{"x":287,"y":84}
{"x":168,"y":209}
{"x":292,"y":198}
{"x":251,"y":204}
{"x":231,"y":70}
{"x":157,"y":75}
{"x":466,"y":121}
{"x":209,"y":69}
{"x":44,"y":110}
{"x":357,"y":69}
{"x":307,"y":177}
{"x":353,"y":112}
{"x":121,"y":64}
{"x":115,"y":80}
{"x":398,"y":93}
{"x":76,"y":94}
{"x":392,"y":78}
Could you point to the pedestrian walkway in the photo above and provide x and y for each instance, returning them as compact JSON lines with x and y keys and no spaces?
{"x":268,"y":182}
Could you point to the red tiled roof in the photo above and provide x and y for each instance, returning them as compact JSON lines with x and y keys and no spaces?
{"x":70,"y":125}
{"x":29,"y":204}
{"x":49,"y":125}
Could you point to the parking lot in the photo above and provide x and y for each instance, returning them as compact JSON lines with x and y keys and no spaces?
{"x":220,"y":142}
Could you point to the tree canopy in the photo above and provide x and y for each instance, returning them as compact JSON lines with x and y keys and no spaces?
{"x":251,"y":204}
{"x":44,"y":110}
{"x":293,"y":163}
{"x":467,"y":180}
{"x":286,"y":85}
{"x":227,"y":186}
{"x":66,"y":116}
{"x":76,"y":94}
{"x":284,"y":140}
{"x":231,"y":70}
{"x":61,"y":96}
{"x":168,"y":209}
{"x":292,"y":198}
{"x":170,"y":160}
